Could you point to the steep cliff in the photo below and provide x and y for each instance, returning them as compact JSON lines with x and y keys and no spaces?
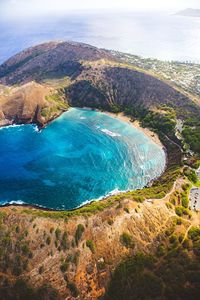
{"x":103,"y":85}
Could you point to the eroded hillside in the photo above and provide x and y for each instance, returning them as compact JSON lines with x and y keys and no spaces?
{"x":30,"y":103}
{"x":57,"y":58}
{"x":76,"y":254}
{"x":83,"y":76}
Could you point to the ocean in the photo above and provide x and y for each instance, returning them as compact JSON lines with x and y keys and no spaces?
{"x":161,"y":35}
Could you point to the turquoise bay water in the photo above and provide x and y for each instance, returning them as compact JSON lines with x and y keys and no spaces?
{"x":82,"y":155}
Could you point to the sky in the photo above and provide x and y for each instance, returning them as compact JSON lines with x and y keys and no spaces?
{"x":14,"y":9}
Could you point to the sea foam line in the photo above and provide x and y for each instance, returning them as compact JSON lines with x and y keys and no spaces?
{"x":18,"y":202}
{"x":111,"y":133}
{"x":112,"y":193}
{"x":11,"y":126}
{"x":35,"y":127}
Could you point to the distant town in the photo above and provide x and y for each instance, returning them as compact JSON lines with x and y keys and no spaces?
{"x":184,"y":75}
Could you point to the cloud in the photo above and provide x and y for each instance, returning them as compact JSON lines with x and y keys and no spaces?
{"x":27,"y":8}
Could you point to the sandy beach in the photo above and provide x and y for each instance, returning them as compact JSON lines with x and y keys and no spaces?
{"x":152,"y":135}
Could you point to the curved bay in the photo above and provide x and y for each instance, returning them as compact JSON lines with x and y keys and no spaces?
{"x":82,"y":155}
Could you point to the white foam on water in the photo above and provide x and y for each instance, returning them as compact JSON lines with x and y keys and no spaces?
{"x":35,"y":128}
{"x":110,"y":133}
{"x":20,"y":126}
{"x":112,"y":193}
{"x":19,"y":202}
{"x":11,"y":126}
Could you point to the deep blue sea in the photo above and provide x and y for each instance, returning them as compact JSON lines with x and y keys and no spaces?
{"x":162,"y":35}
{"x":82,"y":155}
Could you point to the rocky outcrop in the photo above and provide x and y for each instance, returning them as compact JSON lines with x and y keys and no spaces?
{"x":28,"y":103}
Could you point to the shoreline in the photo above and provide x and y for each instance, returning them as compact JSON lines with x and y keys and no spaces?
{"x":149,"y":133}
{"x":120,"y":116}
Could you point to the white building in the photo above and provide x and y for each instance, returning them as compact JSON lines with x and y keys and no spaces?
{"x":195,"y":198}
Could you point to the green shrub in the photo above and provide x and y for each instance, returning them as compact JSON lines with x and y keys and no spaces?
{"x":110,"y":221}
{"x":66,"y":277}
{"x":90,"y":245}
{"x":194,"y":233}
{"x":64,"y":244}
{"x":73,"y":289}
{"x":21,"y":290}
{"x":180,"y":238}
{"x":185,"y":201}
{"x":180,"y":211}
{"x":196,"y":164}
{"x":41,"y":269}
{"x":169,"y":205}
{"x":79,"y":232}
{"x":170,"y":230}
{"x":139,"y":198}
{"x":191,"y":175}
{"x":17,"y":266}
{"x":25,"y":249}
{"x":64,"y":266}
{"x":73,"y":243}
{"x":178,"y":221}
{"x":127,"y":240}
{"x":173,"y":239}
{"x":48,"y":240}
{"x":58,"y":233}
{"x":196,"y":248}
{"x":115,"y":108}
{"x":174,"y":276}
{"x":45,"y":291}
{"x":160,"y":250}
{"x":186,"y":244}
{"x":126,"y":210}
{"x":185,"y":186}
{"x":76,"y":258}
{"x":17,"y":229}
{"x":173,"y":200}
{"x":191,"y":135}
{"x":101,"y":265}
